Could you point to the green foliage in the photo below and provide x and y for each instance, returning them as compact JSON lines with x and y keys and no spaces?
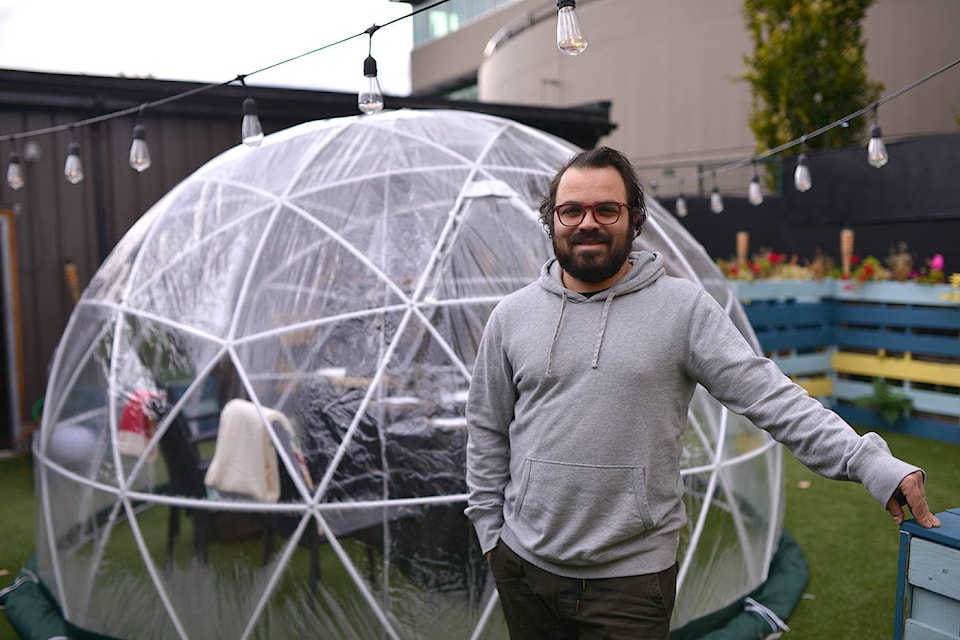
{"x":889,"y":406}
{"x":807,"y":70}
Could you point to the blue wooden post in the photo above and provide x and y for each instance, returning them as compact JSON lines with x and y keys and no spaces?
{"x":928,"y":580}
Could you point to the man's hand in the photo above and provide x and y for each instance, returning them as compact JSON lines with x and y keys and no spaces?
{"x":911,"y":493}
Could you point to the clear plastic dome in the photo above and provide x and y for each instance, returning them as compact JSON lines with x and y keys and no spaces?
{"x":254,"y":420}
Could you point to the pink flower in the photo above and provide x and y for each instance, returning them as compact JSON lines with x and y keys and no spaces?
{"x":936,"y":262}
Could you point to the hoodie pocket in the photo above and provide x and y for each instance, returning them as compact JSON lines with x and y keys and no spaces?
{"x":580,"y":514}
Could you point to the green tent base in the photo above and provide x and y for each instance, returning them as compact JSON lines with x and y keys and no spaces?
{"x":35,"y":615}
{"x":744,"y":619}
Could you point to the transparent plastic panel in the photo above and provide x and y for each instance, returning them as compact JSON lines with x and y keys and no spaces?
{"x":110,"y":283}
{"x":167,"y":284}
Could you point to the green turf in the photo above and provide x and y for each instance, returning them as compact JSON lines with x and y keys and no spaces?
{"x":16,"y":523}
{"x":849,"y":541}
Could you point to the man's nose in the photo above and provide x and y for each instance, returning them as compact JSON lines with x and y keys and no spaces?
{"x":589,"y":219}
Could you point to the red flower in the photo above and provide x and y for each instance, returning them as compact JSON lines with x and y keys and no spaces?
{"x":854,"y":259}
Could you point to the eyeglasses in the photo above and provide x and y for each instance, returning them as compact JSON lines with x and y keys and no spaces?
{"x":570,"y":214}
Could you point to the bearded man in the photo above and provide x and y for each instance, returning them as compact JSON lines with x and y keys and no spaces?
{"x":577,"y":409}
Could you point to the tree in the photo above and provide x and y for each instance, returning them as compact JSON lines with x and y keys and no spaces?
{"x":807,"y":70}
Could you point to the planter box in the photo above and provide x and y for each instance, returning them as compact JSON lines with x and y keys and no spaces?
{"x":897,"y":293}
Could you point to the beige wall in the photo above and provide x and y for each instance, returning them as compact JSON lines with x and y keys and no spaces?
{"x":669,"y":69}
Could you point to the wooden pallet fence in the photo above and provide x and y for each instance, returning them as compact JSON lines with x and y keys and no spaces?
{"x":907,"y":334}
{"x":793,"y":321}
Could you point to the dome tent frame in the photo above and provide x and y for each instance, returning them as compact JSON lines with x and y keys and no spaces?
{"x":711,"y":473}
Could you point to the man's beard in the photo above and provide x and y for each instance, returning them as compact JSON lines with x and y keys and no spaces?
{"x":592,"y":266}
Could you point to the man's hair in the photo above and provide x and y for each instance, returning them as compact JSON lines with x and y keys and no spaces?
{"x":599,"y":158}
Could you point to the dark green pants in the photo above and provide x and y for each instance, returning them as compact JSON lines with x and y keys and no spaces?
{"x":541,"y":605}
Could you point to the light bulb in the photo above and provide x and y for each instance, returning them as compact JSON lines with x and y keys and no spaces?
{"x":716,"y":200}
{"x":801,"y":175}
{"x":32,"y":153}
{"x":370,"y":99}
{"x":14,"y":172}
{"x":251,"y":133}
{"x":139,"y":151}
{"x":876,"y":150}
{"x":681,"y":206}
{"x":570,"y":38}
{"x":73,"y":167}
{"x":754,"y":193}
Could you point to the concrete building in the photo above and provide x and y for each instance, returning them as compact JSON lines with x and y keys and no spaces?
{"x":670,"y":70}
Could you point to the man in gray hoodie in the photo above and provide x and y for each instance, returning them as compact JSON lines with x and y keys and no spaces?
{"x":577,"y":409}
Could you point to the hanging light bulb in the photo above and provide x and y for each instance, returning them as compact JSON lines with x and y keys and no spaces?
{"x":14,"y":172}
{"x":754,"y":193}
{"x":251,"y":133}
{"x":139,"y":151}
{"x":32,"y":153}
{"x":370,"y":99}
{"x":876,"y":150}
{"x":681,"y":206}
{"x":570,"y":38}
{"x":73,"y":167}
{"x":801,"y":175}
{"x":716,"y":200}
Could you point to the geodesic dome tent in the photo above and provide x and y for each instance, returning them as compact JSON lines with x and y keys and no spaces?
{"x":254,"y":421}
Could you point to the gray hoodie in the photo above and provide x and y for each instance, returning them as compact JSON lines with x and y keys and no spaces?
{"x":577,"y":408}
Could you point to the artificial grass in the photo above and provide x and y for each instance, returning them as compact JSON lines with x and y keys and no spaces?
{"x":17,"y":543}
{"x":850,"y":543}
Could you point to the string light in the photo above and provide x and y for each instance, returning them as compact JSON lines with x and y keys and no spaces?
{"x":15,"y":171}
{"x":139,"y":151}
{"x":370,"y":99}
{"x":566,"y":13}
{"x":876,"y":150}
{"x":32,"y":153}
{"x":73,"y":166}
{"x":251,"y":132}
{"x":806,"y":179}
{"x":716,"y":200}
{"x":681,"y":204}
{"x":754,"y":192}
{"x":570,"y":38}
{"x":802,"y":180}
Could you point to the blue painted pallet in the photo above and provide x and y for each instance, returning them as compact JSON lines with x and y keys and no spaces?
{"x":921,"y":427}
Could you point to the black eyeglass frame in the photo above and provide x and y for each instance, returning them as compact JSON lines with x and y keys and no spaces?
{"x":593,"y":209}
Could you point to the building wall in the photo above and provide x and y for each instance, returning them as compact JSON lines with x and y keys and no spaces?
{"x":670,"y":70}
{"x":439,"y":64}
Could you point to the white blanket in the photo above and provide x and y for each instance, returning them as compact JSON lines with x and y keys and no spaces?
{"x":245,"y":461}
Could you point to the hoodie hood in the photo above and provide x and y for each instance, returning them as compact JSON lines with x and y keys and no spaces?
{"x":646,"y":268}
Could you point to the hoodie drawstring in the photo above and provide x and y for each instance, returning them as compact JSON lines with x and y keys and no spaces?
{"x":556,"y":332}
{"x":603,"y":328}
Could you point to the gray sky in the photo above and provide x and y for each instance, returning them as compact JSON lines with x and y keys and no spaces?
{"x":209,"y":40}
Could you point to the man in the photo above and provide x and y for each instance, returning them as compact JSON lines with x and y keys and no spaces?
{"x":577,"y":409}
